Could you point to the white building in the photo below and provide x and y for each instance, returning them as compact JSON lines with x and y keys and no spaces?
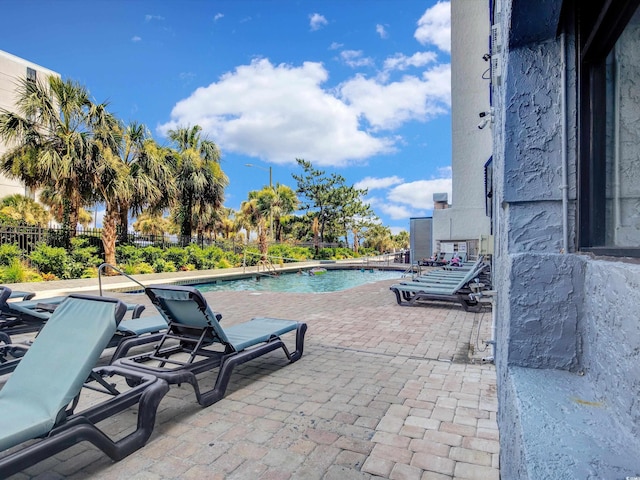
{"x":12,"y":69}
{"x":460,"y":225}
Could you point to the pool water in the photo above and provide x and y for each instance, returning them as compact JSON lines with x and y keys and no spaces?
{"x":329,"y":281}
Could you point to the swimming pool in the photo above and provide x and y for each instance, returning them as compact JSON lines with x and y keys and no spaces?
{"x":329,"y":281}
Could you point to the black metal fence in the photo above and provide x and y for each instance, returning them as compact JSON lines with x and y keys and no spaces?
{"x":28,"y":237}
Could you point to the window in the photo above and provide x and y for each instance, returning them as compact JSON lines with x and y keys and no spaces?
{"x":609,"y":129}
{"x":31,"y":75}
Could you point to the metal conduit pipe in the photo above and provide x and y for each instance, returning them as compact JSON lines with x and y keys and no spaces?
{"x":565,"y":184}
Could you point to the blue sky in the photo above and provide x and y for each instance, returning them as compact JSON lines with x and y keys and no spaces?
{"x":360,"y":87}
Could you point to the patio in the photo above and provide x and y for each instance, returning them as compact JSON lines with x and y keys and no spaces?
{"x":382,"y":391}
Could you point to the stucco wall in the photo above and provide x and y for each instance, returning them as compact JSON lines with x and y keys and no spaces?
{"x":612,"y":336}
{"x":565,"y":315}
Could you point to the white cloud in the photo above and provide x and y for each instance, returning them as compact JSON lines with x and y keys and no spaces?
{"x":387,"y":106}
{"x":396,"y":212}
{"x":354,"y":58}
{"x":278,"y":113}
{"x":149,"y":17}
{"x":372,"y":183}
{"x":401,"y":62}
{"x":406,"y":200}
{"x":317,"y":21}
{"x":434,"y":27}
{"x":218,"y":16}
{"x":380,"y":30}
{"x":419,"y":194}
{"x":136,"y":38}
{"x":335,"y":46}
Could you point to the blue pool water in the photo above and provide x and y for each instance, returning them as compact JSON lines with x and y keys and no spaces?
{"x":330,"y":281}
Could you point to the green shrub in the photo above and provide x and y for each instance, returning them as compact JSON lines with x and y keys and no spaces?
{"x":128,"y":254}
{"x":290,"y":253}
{"x":8,"y":253}
{"x":161,"y":265}
{"x":151,"y":254}
{"x":199,"y":257}
{"x":224,"y":263}
{"x":84,"y":254}
{"x":143,"y":267}
{"x":50,"y":260}
{"x":325,"y":254}
{"x":177,"y":255}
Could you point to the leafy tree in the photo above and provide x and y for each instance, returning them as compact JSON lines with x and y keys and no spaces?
{"x":200,"y":181}
{"x":316,"y":190}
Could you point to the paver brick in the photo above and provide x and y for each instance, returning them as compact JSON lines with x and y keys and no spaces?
{"x":369,"y":399}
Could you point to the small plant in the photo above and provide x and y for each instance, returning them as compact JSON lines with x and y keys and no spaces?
{"x":15,"y":272}
{"x":8,"y":253}
{"x":142,"y":268}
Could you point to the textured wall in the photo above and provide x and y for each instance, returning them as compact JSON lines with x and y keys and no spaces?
{"x":556,"y":313}
{"x":612,"y":335}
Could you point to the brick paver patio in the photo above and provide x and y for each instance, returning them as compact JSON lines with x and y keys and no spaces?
{"x":382,"y":391}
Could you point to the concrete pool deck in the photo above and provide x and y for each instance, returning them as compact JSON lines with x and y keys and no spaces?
{"x":382,"y":391}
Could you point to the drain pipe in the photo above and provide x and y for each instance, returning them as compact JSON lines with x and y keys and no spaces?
{"x":565,"y":183}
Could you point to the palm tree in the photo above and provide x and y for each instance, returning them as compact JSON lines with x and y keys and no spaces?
{"x":200,"y":181}
{"x":24,"y":209}
{"x":150,"y":223}
{"x":49,"y":140}
{"x":151,"y":170}
{"x":285,"y":202}
{"x":248,"y":216}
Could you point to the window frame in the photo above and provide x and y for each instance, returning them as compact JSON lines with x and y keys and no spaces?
{"x":597,"y":30}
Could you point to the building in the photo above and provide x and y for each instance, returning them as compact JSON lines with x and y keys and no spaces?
{"x":460,"y":225}
{"x":566,"y":183}
{"x":11,"y":69}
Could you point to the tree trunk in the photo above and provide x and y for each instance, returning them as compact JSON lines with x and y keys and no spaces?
{"x":109,"y":238}
{"x":124,"y":223}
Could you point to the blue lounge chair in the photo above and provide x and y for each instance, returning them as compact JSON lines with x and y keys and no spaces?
{"x":203,"y":344}
{"x":38,"y":400}
{"x":450,"y":287}
{"x":31,"y":315}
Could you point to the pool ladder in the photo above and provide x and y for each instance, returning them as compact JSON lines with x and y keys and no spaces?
{"x":103,"y":266}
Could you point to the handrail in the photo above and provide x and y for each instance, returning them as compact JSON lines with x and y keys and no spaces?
{"x":103,"y":266}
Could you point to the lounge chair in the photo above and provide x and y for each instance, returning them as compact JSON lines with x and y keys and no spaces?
{"x":38,"y":400}
{"x":203,"y":344}
{"x":22,"y":295}
{"x":30,"y":316}
{"x":452,"y":289}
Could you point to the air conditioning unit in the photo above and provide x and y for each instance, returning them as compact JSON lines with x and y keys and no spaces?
{"x":485,"y":245}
